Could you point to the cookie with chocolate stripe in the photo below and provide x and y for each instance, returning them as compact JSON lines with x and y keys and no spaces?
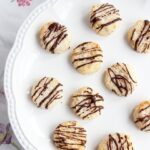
{"x":70,"y":136}
{"x":104,"y":19}
{"x":86,"y":103}
{"x":120,"y":79}
{"x":116,"y":141}
{"x":139,"y":36}
{"x":55,"y":37}
{"x":141,"y":116}
{"x":46,"y":92}
{"x":87,"y":57}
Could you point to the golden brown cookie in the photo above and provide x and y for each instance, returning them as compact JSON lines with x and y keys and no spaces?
{"x":141,"y":116}
{"x":86,"y":103}
{"x":87,"y":57}
{"x":104,"y":19}
{"x":70,"y":136}
{"x":47,"y":92}
{"x":139,"y":36}
{"x":121,"y":79}
{"x":54,"y":37}
{"x":116,"y":141}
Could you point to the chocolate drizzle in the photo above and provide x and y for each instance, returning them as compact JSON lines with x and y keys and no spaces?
{"x":119,"y":142}
{"x":123,"y":82}
{"x":54,"y":35}
{"x":87,"y":104}
{"x":69,"y":136}
{"x":43,"y":96}
{"x":143,"y":109}
{"x":39,"y":89}
{"x":86,"y":54}
{"x":107,"y":24}
{"x":101,"y":12}
{"x":143,"y":121}
{"x":142,"y":42}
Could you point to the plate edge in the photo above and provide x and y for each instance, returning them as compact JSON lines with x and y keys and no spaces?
{"x":8,"y":73}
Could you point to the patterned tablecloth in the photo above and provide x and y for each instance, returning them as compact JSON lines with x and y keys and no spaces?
{"x":12,"y":14}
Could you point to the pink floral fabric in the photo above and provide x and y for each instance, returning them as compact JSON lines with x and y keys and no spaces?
{"x":23,"y":2}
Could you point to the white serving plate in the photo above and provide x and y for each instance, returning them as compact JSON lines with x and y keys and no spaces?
{"x":27,"y":62}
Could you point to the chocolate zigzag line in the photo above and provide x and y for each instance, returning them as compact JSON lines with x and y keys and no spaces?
{"x":54,"y":28}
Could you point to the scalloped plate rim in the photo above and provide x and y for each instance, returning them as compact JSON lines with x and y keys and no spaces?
{"x":8,"y":73}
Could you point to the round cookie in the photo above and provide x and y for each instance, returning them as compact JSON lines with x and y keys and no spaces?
{"x":104,"y":19}
{"x":120,"y":79}
{"x":87,"y":57}
{"x":86,"y":103}
{"x":139,"y":36}
{"x":141,"y":116}
{"x":70,"y":135}
{"x":47,"y":92}
{"x":116,"y":141}
{"x":54,"y":37}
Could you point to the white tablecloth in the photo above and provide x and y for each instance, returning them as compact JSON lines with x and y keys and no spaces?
{"x":11,"y":17}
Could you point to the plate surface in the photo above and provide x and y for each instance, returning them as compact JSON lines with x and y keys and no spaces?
{"x":27,"y":62}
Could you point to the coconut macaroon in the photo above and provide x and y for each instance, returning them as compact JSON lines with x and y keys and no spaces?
{"x":87,"y":57}
{"x":87,"y":103}
{"x":54,"y":37}
{"x":104,"y":19}
{"x":70,"y":135}
{"x":116,"y":141}
{"x":141,"y":116}
{"x":139,"y":36}
{"x":120,"y":78}
{"x":47,"y":92}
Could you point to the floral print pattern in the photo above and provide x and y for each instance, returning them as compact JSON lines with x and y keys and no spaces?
{"x":6,"y":135}
{"x":23,"y":2}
